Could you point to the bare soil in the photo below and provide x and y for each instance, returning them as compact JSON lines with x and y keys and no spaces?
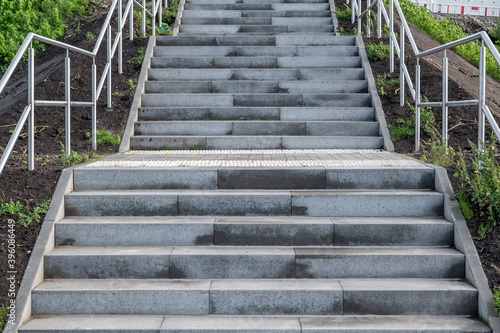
{"x":463,"y":124}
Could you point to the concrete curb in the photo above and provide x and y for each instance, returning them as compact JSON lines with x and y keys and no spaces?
{"x":178,"y":18}
{"x":474,"y":272}
{"x":379,"y":112}
{"x":334,"y":18}
{"x":134,"y":109}
{"x":34,"y":273}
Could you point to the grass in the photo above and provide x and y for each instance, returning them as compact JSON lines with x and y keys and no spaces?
{"x":104,"y":138}
{"x":3,"y":316}
{"x":73,"y":158}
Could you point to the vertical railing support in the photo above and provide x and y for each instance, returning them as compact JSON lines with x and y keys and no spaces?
{"x":160,"y":14}
{"x":120,"y":41}
{"x":131,"y":22}
{"x":359,"y":18}
{"x":445,"y":100}
{"x":482,"y":92}
{"x":108,"y":61}
{"x":94,"y":105}
{"x":391,"y":34}
{"x":368,"y":30}
{"x":401,"y":66}
{"x":153,"y":19}
{"x":379,"y":18}
{"x":31,"y":101}
{"x":67,"y":91}
{"x":417,"y":107}
{"x":143,"y":18}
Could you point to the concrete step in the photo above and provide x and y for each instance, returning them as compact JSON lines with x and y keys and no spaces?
{"x":255,"y":324}
{"x":253,"y":231}
{"x":179,"y":74}
{"x":255,"y":13}
{"x":257,"y":113}
{"x":255,"y":297}
{"x":187,"y":297}
{"x":254,"y":202}
{"x":189,"y":52}
{"x":111,"y":178}
{"x":257,"y":62}
{"x":257,"y":21}
{"x":246,"y":87}
{"x":271,"y":29}
{"x":256,"y":142}
{"x":264,"y":99}
{"x":249,"y":262}
{"x":258,"y":6}
{"x":240,"y":128}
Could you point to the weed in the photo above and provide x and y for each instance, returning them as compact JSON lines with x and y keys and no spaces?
{"x":11,"y":208}
{"x":378,"y":51}
{"x":344,"y":14}
{"x":380,"y":83}
{"x":197,"y":147}
{"x":139,"y":57}
{"x":104,"y":138}
{"x":131,"y":84}
{"x":89,"y":36}
{"x":166,"y":148}
{"x":496,"y":300}
{"x":24,"y":215}
{"x":115,"y":94}
{"x":435,"y":151}
{"x":463,"y":202}
{"x":2,"y":149}
{"x":4,"y":311}
{"x":394,"y":82}
{"x":73,"y":158}
{"x":401,"y":129}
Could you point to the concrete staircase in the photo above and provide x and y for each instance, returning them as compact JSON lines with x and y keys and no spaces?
{"x":331,"y":235}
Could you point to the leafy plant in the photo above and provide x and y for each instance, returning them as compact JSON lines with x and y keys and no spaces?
{"x":139,"y":57}
{"x":496,"y":299}
{"x":401,"y":129}
{"x":44,"y":17}
{"x":10,"y":208}
{"x":24,"y":215}
{"x":73,"y":158}
{"x":131,"y":84}
{"x":104,"y":138}
{"x":378,"y":51}
{"x":197,"y":147}
{"x":345,"y":14}
{"x":89,"y":36}
{"x":464,"y":204}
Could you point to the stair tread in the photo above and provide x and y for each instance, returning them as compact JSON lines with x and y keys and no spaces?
{"x":368,"y":323}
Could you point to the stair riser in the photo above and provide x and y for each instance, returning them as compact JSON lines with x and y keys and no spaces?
{"x":256,"y":142}
{"x":263,"y":113}
{"x":252,"y":100}
{"x":270,"y":29}
{"x":222,"y":87}
{"x":255,"y":74}
{"x":229,"y":232}
{"x":264,"y":6}
{"x":257,"y":21}
{"x":284,"y":264}
{"x":257,"y":128}
{"x":254,"y":13}
{"x":244,"y":51}
{"x":278,"y":204}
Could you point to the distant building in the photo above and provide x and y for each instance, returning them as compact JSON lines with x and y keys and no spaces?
{"x":471,"y":7}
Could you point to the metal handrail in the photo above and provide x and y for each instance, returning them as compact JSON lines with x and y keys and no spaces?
{"x":112,"y":47}
{"x":483,"y":110}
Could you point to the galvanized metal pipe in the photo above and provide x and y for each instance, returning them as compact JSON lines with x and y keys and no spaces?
{"x":119,"y":36}
{"x":417,"y":108}
{"x":482,"y":96}
{"x":67,"y":85}
{"x":15,"y":135}
{"x":108,"y":60}
{"x":153,"y":20}
{"x":94,"y":106}
{"x":31,"y":101}
{"x":445,"y":100}
{"x":391,"y":33}
{"x":379,"y":18}
{"x":131,"y":22}
{"x":144,"y":18}
{"x":402,"y":66}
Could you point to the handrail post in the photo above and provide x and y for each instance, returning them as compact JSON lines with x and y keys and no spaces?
{"x":353,"y":11}
{"x":391,"y":34}
{"x":94,"y":106}
{"x":445,"y":100}
{"x":131,"y":22}
{"x":108,"y":60}
{"x":379,"y":18}
{"x":143,"y":18}
{"x":359,"y":18}
{"x":67,"y":82}
{"x":368,"y":30}
{"x":417,"y":108}
{"x":160,"y":14}
{"x":31,"y":101}
{"x":482,"y":91}
{"x":120,"y":42}
{"x":166,"y":3}
{"x":401,"y":64}
{"x":153,"y":19}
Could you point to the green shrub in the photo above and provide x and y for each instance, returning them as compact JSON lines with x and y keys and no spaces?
{"x":378,"y":51}
{"x":345,"y":14}
{"x":44,"y":17}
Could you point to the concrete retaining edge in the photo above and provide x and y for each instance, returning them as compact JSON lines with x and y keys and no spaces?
{"x":474,"y":272}
{"x":133,"y":116}
{"x":379,"y":112}
{"x":334,"y":18}
{"x":34,"y":273}
{"x":178,"y":18}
